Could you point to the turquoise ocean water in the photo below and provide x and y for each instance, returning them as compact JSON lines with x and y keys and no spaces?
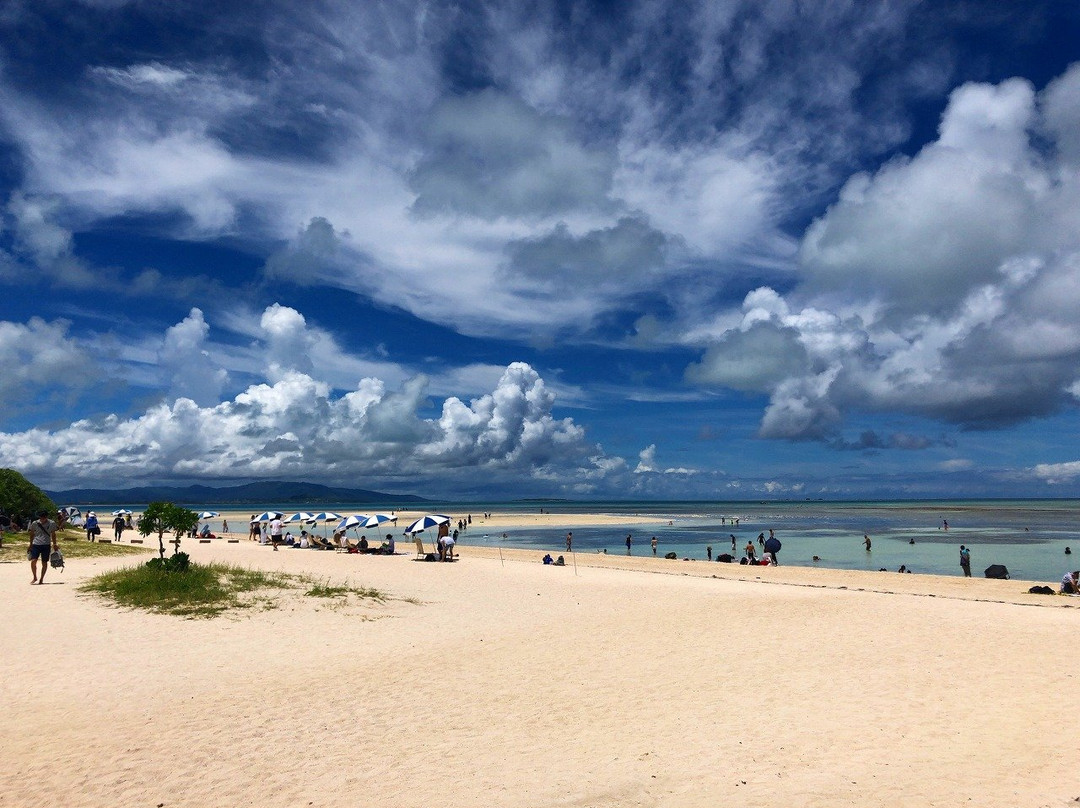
{"x":1027,"y":536}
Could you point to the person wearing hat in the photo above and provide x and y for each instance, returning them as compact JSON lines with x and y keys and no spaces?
{"x":91,"y":526}
{"x":42,"y":537}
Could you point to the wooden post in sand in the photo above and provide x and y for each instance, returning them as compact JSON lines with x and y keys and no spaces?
{"x":501,"y":562}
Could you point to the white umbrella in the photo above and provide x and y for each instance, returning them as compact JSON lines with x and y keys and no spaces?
{"x":426,"y":521}
{"x":71,"y":510}
{"x":122,"y":512}
{"x":208,"y":515}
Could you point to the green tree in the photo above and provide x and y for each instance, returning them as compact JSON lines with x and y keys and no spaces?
{"x":20,"y":497}
{"x":164,"y":516}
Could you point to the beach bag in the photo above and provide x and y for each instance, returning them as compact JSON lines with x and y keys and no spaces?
{"x":56,"y":560}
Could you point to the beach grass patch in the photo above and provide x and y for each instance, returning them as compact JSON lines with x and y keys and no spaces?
{"x":208,"y":590}
{"x":328,"y":590}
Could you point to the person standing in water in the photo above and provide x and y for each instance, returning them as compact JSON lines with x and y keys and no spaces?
{"x":629,"y":543}
{"x":965,"y":561}
{"x":866,"y":541}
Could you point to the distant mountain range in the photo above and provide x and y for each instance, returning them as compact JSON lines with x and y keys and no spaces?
{"x":261,"y":493}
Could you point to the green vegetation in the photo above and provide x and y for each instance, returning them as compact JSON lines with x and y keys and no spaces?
{"x":160,"y":517}
{"x":209,"y":590}
{"x":318,"y":590}
{"x":20,"y":497}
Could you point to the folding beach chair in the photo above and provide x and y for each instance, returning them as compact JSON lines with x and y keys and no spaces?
{"x":419,"y":546}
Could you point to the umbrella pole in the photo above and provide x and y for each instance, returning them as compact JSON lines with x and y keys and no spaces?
{"x":501,"y":562}
{"x":574,"y":555}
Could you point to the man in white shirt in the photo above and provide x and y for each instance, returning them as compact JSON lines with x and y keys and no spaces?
{"x":275,"y":532}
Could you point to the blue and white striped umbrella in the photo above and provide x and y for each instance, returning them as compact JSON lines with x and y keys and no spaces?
{"x":302,"y":516}
{"x":426,"y":521}
{"x":356,"y":520}
{"x":324,"y":517}
{"x":208,"y":514}
{"x":377,"y":519}
{"x":122,"y":512}
{"x":267,"y":516}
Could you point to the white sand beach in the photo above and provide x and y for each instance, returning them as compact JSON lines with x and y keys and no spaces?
{"x":498,"y":681}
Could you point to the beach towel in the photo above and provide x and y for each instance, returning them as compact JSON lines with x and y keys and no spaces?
{"x":56,"y":559}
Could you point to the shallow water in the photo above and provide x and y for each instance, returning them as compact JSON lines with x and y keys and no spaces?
{"x":1028,"y":537}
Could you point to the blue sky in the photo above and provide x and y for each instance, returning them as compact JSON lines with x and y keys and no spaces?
{"x":720,"y":250}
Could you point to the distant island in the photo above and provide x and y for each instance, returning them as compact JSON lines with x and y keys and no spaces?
{"x":271,"y":492}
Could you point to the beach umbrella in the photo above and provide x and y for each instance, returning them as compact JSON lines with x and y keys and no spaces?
{"x":71,"y":510}
{"x":324,"y":517}
{"x":426,"y":521}
{"x":208,"y":515}
{"x":302,"y":516}
{"x":267,"y":516}
{"x":356,"y":520}
{"x":122,"y":512}
{"x":377,"y":519}
{"x":998,"y":571}
{"x":772,"y":545}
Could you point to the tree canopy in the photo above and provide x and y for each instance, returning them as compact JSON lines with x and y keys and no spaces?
{"x":165,"y":516}
{"x":20,"y":497}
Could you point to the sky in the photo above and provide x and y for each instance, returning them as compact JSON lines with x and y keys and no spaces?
{"x":727,"y":250}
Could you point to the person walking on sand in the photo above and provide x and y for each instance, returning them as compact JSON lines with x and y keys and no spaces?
{"x":275,"y":532}
{"x":866,"y":541}
{"x":569,"y":541}
{"x":965,"y":561}
{"x":91,"y":526}
{"x":118,"y":526}
{"x":42,"y":537}
{"x":629,"y":543}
